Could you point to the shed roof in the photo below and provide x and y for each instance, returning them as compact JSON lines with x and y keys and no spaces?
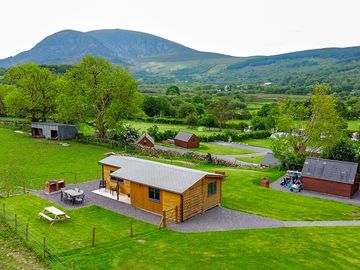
{"x":270,"y":160}
{"x":184,"y":136}
{"x":163,"y":176}
{"x":331,"y":170}
{"x":36,"y":124}
{"x":147,"y":136}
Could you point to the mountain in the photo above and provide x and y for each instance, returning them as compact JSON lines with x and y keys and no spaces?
{"x":119,"y":46}
{"x":155,"y":59}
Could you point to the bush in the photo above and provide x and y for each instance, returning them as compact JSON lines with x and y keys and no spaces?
{"x":230,"y":135}
{"x":344,"y":150}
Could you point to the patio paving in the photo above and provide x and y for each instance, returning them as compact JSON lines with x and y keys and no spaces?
{"x":102,"y":201}
{"x":355,"y":200}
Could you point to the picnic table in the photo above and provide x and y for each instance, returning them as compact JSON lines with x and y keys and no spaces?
{"x":53,"y":214}
{"x":73,"y":194}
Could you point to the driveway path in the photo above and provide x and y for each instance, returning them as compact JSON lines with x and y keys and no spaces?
{"x":222,"y":219}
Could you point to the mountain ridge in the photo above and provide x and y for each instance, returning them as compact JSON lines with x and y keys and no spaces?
{"x":155,"y":59}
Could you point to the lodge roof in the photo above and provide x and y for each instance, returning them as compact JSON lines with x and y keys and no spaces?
{"x":184,"y":136}
{"x":147,"y":136}
{"x":331,"y":170}
{"x":163,"y":176}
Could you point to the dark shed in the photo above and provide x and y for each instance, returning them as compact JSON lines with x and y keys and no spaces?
{"x":330,"y":176}
{"x":54,"y":131}
{"x":186,"y":140}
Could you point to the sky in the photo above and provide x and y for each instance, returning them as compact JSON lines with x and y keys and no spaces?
{"x":239,"y":28}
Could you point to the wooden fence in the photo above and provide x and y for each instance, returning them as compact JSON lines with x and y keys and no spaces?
{"x":170,"y":216}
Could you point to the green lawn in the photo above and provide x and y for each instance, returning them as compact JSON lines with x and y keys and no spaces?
{"x":24,"y":158}
{"x":214,"y":149}
{"x":259,"y":142}
{"x":34,"y":161}
{"x":151,"y":248}
{"x":256,"y":159}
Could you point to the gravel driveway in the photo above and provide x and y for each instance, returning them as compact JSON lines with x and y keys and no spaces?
{"x":222,"y":219}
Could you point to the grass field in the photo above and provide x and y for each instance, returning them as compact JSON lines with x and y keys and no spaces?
{"x":151,"y":248}
{"x":34,"y":161}
{"x":266,"y":143}
{"x":256,"y":159}
{"x":25,"y":157}
{"x":214,"y":149}
{"x":354,"y":125}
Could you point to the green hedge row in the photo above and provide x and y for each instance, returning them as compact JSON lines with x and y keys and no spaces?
{"x":235,"y":136}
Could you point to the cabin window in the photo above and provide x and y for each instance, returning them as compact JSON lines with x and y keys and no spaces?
{"x":212,"y":188}
{"x":113,"y":179}
{"x":154,"y":194}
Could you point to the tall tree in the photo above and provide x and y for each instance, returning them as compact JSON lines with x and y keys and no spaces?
{"x":94,"y":89}
{"x":36,"y":85}
{"x":321,"y":130}
{"x":223,"y":110}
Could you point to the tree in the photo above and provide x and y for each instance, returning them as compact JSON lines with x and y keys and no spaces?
{"x":344,"y":150}
{"x":323,"y":129}
{"x":96,"y":89}
{"x":223,"y":110}
{"x":185,"y":109}
{"x":4,"y":91}
{"x":173,"y":90}
{"x":152,"y":130}
{"x":35,"y":84}
{"x":192,"y":119}
{"x":207,"y":120}
{"x":17,"y":104}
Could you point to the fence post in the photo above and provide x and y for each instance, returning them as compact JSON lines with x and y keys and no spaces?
{"x":93,"y":236}
{"x":131,"y":228}
{"x":164,"y":219}
{"x":44,"y":248}
{"x":27,"y":232}
{"x":15,"y":221}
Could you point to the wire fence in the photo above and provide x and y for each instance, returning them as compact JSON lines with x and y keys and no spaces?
{"x":62,"y":257}
{"x":10,"y":187}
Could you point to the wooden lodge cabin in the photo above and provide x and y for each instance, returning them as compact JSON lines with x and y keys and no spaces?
{"x":186,"y":140}
{"x":330,"y":176}
{"x":146,"y":140}
{"x":158,"y":187}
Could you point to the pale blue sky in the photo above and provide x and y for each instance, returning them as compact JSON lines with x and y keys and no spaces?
{"x":241,"y":28}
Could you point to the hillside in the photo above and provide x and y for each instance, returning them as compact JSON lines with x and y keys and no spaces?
{"x":155,"y":59}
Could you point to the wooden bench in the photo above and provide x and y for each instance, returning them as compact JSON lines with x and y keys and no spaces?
{"x":42,"y":215}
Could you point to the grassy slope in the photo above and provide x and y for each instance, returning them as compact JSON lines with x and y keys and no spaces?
{"x":259,"y":142}
{"x":302,"y":248}
{"x":13,"y":255}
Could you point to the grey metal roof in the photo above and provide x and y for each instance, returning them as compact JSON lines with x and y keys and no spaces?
{"x":331,"y":170}
{"x":184,"y":136}
{"x":269,"y":160}
{"x":36,"y":124}
{"x":147,"y":136}
{"x":163,"y":176}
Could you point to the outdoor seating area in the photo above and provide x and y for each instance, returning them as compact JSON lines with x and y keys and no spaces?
{"x":53,"y":214}
{"x":73,"y":196}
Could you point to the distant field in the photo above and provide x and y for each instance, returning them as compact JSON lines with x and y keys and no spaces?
{"x":354,"y":125}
